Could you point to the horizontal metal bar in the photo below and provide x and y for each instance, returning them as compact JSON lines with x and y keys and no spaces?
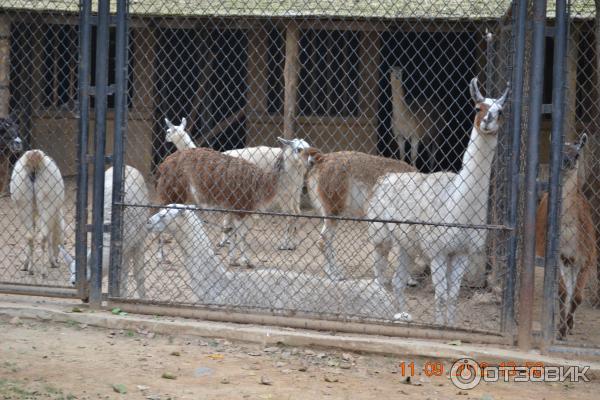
{"x":110,"y":90}
{"x":33,"y":290}
{"x":105,"y":228}
{"x":311,"y":216}
{"x":112,"y":20}
{"x":547,"y":109}
{"x":304,"y":322}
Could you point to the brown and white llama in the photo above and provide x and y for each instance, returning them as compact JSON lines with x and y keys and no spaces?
{"x":340,"y":184}
{"x":294,"y":169}
{"x":577,"y":243}
{"x":208,"y":178}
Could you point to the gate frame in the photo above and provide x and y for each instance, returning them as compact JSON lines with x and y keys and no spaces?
{"x":507,"y":329}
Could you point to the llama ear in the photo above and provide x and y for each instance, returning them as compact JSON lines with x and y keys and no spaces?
{"x":504,"y":96}
{"x":169,"y":123}
{"x":183,"y":123}
{"x":475,"y":93}
{"x":582,"y":141}
{"x":285,"y":142}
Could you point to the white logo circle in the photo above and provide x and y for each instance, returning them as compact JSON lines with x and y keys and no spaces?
{"x":465,"y":373}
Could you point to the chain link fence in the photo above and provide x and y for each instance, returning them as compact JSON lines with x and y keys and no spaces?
{"x":577,"y":287}
{"x":362,"y":113}
{"x":38,"y":109}
{"x":346,"y":165}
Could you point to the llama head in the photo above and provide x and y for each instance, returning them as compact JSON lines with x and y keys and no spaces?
{"x":295,"y":149}
{"x":572,"y":154}
{"x":9,"y":135}
{"x":175,"y":133}
{"x":312,"y":156}
{"x":396,"y":73}
{"x":169,"y":218}
{"x":489,"y":111}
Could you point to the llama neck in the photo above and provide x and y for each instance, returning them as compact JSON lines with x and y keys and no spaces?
{"x":469,"y":196}
{"x":184,"y":142}
{"x":274,"y":181}
{"x":570,"y":185}
{"x":197,"y":247}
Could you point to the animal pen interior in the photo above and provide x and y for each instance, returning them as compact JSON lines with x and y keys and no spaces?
{"x":341,"y":77}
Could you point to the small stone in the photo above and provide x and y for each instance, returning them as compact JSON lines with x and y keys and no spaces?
{"x":142,"y":388}
{"x":264,"y":380}
{"x":331,"y":378}
{"x":309,"y":353}
{"x":294,"y":351}
{"x":321,"y":355}
{"x":346,"y":357}
{"x":254,"y":353}
{"x":83,"y":326}
{"x":15,"y":321}
{"x":333,"y":363}
{"x":271,"y":349}
{"x":345,"y":365}
{"x":153,"y":397}
{"x":175,"y":353}
{"x":280,"y":364}
{"x":462,"y":393}
{"x":225,"y":381}
{"x":168,"y":375}
{"x":150,"y":335}
{"x":303,"y":368}
{"x":286,"y":371}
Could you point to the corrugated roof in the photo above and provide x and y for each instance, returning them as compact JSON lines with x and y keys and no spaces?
{"x":428,"y":9}
{"x":451,"y":9}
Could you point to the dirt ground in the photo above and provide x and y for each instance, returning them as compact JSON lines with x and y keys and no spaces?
{"x":44,"y":360}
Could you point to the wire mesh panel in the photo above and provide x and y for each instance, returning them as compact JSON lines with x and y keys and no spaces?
{"x":362,"y":148}
{"x":38,"y":111}
{"x":577,"y":291}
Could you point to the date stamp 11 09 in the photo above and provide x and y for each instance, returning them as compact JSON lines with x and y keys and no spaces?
{"x":466,"y":373}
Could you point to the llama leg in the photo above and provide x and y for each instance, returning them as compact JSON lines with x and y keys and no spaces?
{"x":562,"y":304}
{"x":327,"y":237}
{"x":580,"y":284}
{"x":238,"y":242}
{"x":380,"y":264}
{"x":28,"y":218}
{"x":54,"y":243}
{"x":227,"y":230}
{"x":440,"y":285}
{"x":458,"y":267}
{"x":133,"y":258}
{"x":414,"y":150}
{"x":399,"y":282}
{"x":290,"y":229}
{"x":28,"y":265}
{"x":402,"y":148}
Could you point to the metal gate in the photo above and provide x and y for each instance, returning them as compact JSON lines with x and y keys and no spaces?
{"x":39,"y":110}
{"x":338,"y":78}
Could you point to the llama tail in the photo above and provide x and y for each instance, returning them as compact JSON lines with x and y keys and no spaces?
{"x":33,"y":163}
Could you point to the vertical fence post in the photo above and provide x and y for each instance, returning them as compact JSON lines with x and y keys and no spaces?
{"x":508,"y":308}
{"x":116,"y":232}
{"x":558,"y":108}
{"x":536,"y":74}
{"x":100,"y":104}
{"x":81,"y":212}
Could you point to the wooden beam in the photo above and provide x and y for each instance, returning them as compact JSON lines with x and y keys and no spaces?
{"x":291,"y":71}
